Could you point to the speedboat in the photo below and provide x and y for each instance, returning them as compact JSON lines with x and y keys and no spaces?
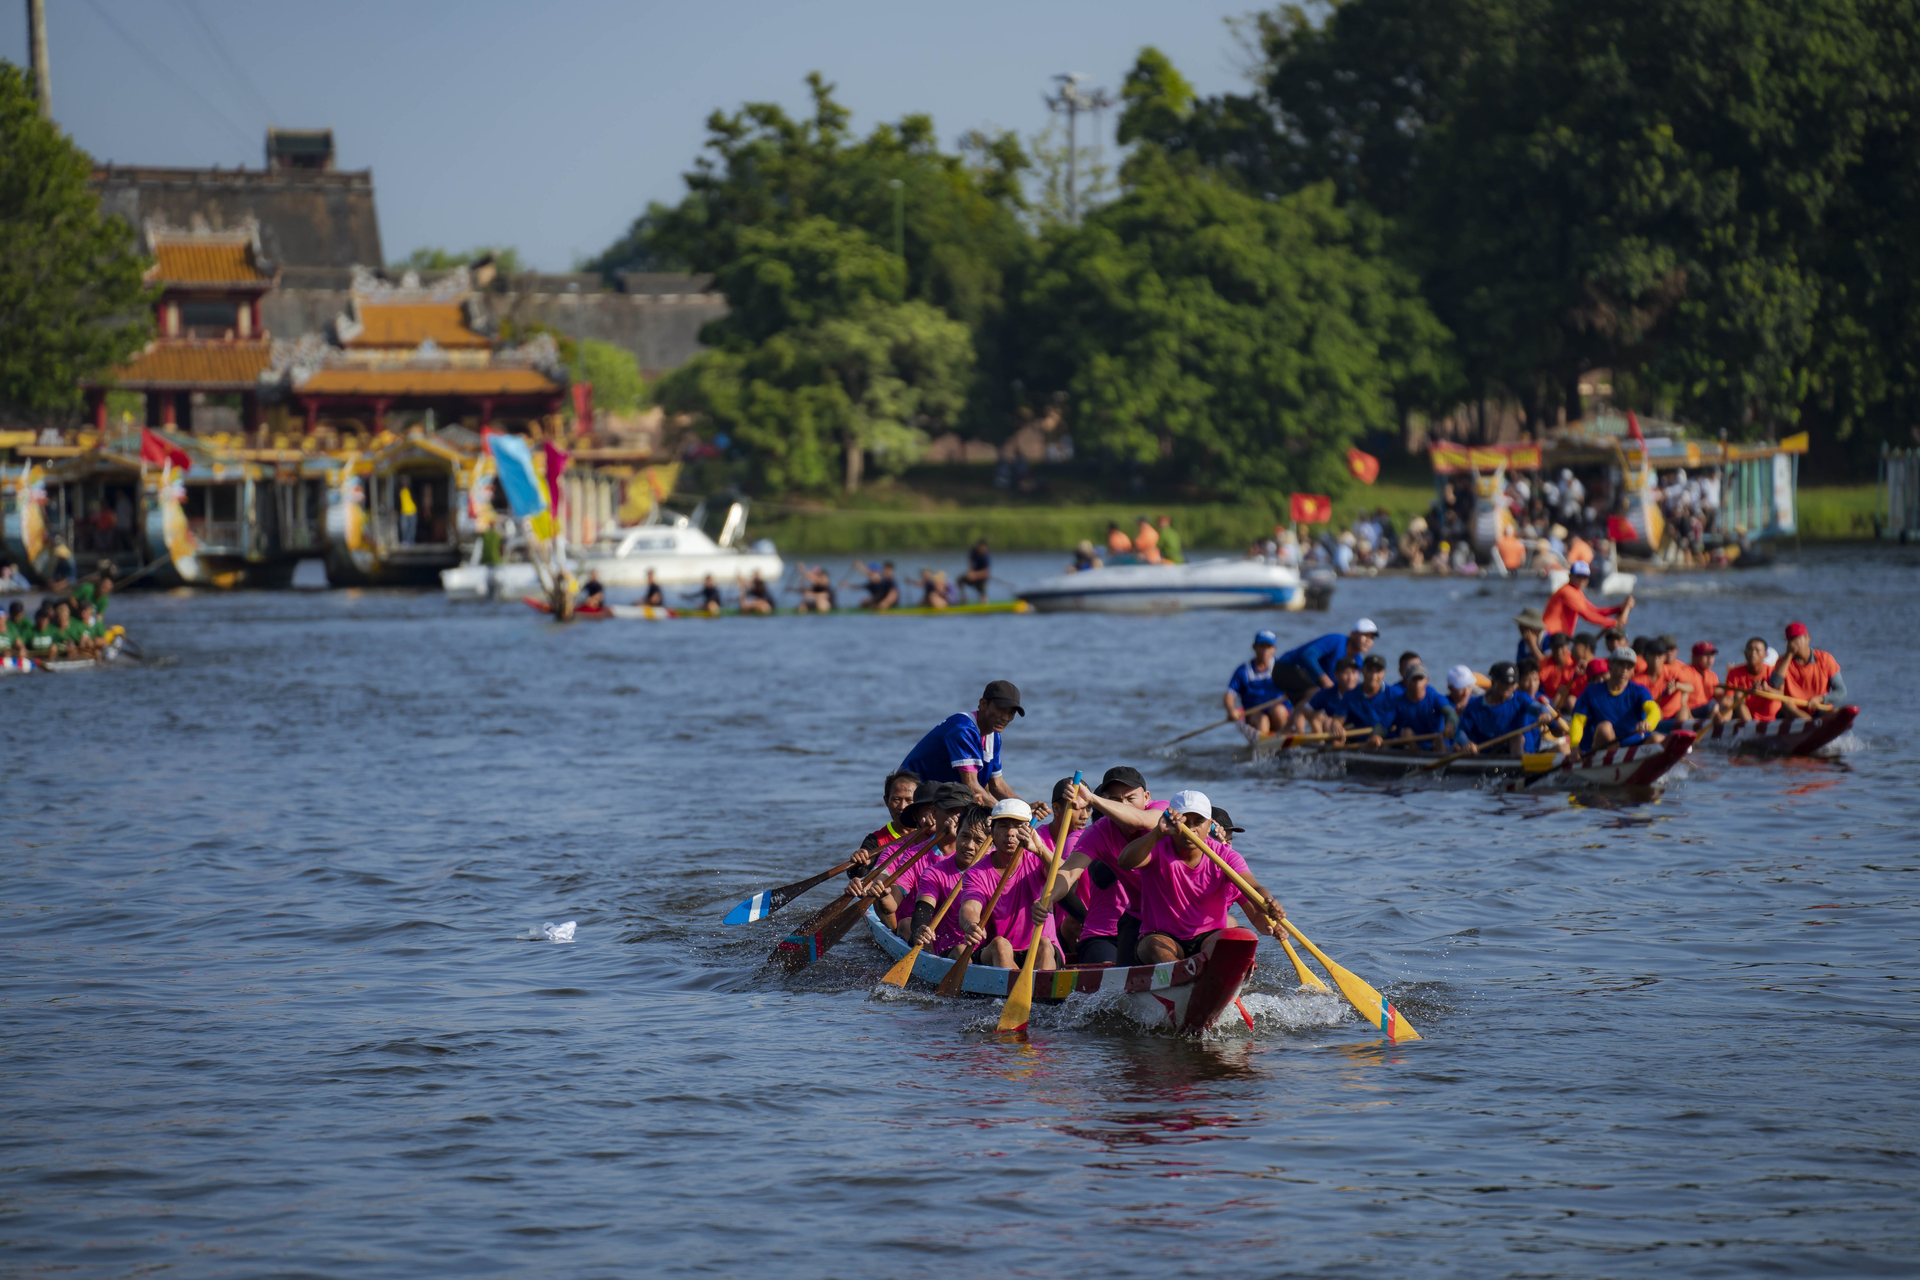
{"x":1169,"y":588}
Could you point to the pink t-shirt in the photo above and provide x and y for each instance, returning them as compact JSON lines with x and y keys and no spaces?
{"x":1102,"y":840}
{"x":1182,"y":901}
{"x":933,"y":880}
{"x":1011,"y":915}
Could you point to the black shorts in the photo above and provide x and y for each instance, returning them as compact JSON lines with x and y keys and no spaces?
{"x":1297,"y":683}
{"x":1190,"y":946}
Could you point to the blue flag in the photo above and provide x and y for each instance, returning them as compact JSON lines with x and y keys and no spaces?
{"x":514,"y":462}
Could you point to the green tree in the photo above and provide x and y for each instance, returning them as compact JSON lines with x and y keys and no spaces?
{"x":820,"y":363}
{"x":506,"y":260}
{"x":72,"y":304}
{"x":1242,"y":342}
{"x":615,"y":375}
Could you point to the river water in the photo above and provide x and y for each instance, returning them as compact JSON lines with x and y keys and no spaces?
{"x":270,"y":1009}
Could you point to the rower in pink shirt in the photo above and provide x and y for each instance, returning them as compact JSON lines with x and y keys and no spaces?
{"x":1002,"y":938}
{"x":1184,"y":894}
{"x":934,"y":879}
{"x":1123,"y":808}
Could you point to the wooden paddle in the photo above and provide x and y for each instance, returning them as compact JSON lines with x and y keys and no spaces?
{"x":957,"y":976}
{"x":767,"y":901}
{"x":1217,"y":723}
{"x":829,"y":924}
{"x":1490,"y":742}
{"x":1019,"y":1007}
{"x":1370,"y":1004}
{"x":1764,"y":692}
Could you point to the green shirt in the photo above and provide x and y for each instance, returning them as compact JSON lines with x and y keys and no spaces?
{"x":88,"y":593}
{"x":74,"y":632}
{"x":1170,"y":546}
{"x":41,"y":638}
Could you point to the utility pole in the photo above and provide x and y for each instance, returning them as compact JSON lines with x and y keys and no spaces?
{"x":899,"y":220}
{"x":1072,"y":99}
{"x":37,"y":54}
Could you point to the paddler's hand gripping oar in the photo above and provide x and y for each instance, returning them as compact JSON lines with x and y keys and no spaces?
{"x":1490,"y":742}
{"x":1370,"y":1004}
{"x":903,"y":968}
{"x":813,"y":939}
{"x":957,"y":976}
{"x":1253,"y":901}
{"x":1217,"y":723}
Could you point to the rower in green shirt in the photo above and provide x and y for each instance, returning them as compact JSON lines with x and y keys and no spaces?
{"x":40,"y":640}
{"x":14,"y":633}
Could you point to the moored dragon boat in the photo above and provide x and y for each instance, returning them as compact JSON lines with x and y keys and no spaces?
{"x":1188,"y":995}
{"x":1644,"y":764}
{"x":1780,"y":737}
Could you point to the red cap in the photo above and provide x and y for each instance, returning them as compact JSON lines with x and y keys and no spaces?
{"x":1703,"y":648}
{"x":1598,"y":667}
{"x":1795,"y":630}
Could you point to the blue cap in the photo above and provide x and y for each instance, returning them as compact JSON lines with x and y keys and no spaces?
{"x":1266,"y":637}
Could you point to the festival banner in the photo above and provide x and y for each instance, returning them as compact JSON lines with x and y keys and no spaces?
{"x":513,"y":461}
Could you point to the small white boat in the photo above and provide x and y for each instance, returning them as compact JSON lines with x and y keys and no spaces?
{"x":1615,"y":586}
{"x":673,"y":546}
{"x":1169,"y":588}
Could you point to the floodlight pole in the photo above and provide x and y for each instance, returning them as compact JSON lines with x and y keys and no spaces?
{"x":1073,"y":100}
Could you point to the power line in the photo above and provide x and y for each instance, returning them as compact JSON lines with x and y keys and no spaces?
{"x":233,"y":64}
{"x":172,"y":78}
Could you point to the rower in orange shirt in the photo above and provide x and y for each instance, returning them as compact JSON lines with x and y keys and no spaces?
{"x":1558,"y":669}
{"x":1706,"y":693}
{"x":1569,"y":604}
{"x":1745,"y":678}
{"x":1675,"y":684}
{"x":1806,"y":673}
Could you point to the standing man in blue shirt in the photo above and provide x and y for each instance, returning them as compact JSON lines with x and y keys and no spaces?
{"x":1298,"y":672}
{"x":1419,"y":711}
{"x":1251,"y":687}
{"x":965,"y":747}
{"x":1500,"y":711}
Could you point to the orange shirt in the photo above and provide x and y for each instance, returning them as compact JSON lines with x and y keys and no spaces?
{"x":1809,"y":679}
{"x":1147,"y":543}
{"x":1579,"y":550}
{"x":1674,"y":689}
{"x":1554,"y":676}
{"x":1512,"y":551}
{"x":1118,"y":542}
{"x":1568,"y":604}
{"x":1742,"y":677}
{"x":1707,"y":684}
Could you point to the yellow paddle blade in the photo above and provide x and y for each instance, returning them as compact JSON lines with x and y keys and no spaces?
{"x":1308,"y":978}
{"x":1538,"y":761}
{"x":1367,"y":1002}
{"x":902,"y":969}
{"x":1019,"y":1006}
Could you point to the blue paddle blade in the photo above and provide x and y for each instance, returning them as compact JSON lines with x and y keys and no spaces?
{"x":752,"y":909}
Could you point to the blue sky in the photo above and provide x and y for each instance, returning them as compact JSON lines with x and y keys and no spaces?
{"x":549,"y":126}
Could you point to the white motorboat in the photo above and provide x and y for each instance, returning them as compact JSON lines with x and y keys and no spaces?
{"x":1614,"y":586}
{"x":674,"y":547}
{"x":1169,"y":588}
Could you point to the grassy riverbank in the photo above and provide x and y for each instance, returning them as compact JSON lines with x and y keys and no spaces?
{"x":1839,"y":513}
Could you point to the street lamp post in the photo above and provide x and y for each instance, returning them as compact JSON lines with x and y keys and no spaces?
{"x":899,"y":220}
{"x":1072,"y":99}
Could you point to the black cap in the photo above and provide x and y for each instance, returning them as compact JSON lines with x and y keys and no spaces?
{"x":1373,"y":662}
{"x":1559,"y":640}
{"x":1670,"y":644}
{"x":1503,"y":673}
{"x":1126,"y":777}
{"x":1226,"y":823}
{"x":925,"y":793}
{"x":951,"y":795}
{"x":1004,"y":694}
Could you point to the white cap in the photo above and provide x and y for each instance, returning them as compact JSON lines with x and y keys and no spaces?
{"x":1012,"y":809}
{"x":1365,"y":627}
{"x":1191,"y":802}
{"x":1580,"y":569}
{"x":1460,"y":678}
{"x":1773,"y":656}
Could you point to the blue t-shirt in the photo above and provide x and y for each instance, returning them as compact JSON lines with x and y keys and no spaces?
{"x":1484,"y":721}
{"x":1318,"y":656}
{"x":1331,"y":701}
{"x":1432,"y":714}
{"x":1362,"y":712}
{"x":952,"y":745}
{"x":1625,"y":711}
{"x":1253,"y":688}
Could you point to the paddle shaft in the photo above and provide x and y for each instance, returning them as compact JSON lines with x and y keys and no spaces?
{"x":1765,"y":692}
{"x":950,"y":985}
{"x":836,"y":928}
{"x":1019,"y":1007}
{"x":1229,"y":720}
{"x":778,"y":898}
{"x":1252,"y":897}
{"x":903,"y":969}
{"x":1490,"y":742}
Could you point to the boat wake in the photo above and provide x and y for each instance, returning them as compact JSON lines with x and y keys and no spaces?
{"x":1300,"y":1010}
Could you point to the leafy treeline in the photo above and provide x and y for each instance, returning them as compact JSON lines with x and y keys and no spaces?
{"x":1418,"y":202}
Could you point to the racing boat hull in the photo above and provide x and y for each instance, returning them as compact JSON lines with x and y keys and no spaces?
{"x":1646,"y":764}
{"x":1780,"y":737}
{"x":1169,"y":588}
{"x":1187,"y":996}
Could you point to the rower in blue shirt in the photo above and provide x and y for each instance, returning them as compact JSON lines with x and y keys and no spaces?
{"x":1419,"y":712}
{"x":965,"y":747}
{"x":1369,"y":707}
{"x":1252,"y":699}
{"x":1326,"y":707}
{"x":1300,"y":671}
{"x":1500,"y":711}
{"x":1619,"y":713}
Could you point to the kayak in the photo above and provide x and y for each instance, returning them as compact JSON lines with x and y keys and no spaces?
{"x":658,"y":613}
{"x":1645,"y":764}
{"x":1188,"y":995}
{"x":1780,"y":737}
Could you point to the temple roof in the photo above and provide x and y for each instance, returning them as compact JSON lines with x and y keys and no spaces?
{"x":428,"y":382}
{"x":408,"y":324}
{"x":184,"y":262}
{"x":196,"y":365}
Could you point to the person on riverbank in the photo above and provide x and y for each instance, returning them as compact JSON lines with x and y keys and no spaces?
{"x":979,"y":572}
{"x":1250,"y":690}
{"x":1618,"y":712}
{"x":1810,"y":675}
{"x":1569,"y":604}
{"x":1171,"y":549}
{"x":1184,"y":894}
{"x":1298,"y":672}
{"x":965,"y":747}
{"x":409,"y":515}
